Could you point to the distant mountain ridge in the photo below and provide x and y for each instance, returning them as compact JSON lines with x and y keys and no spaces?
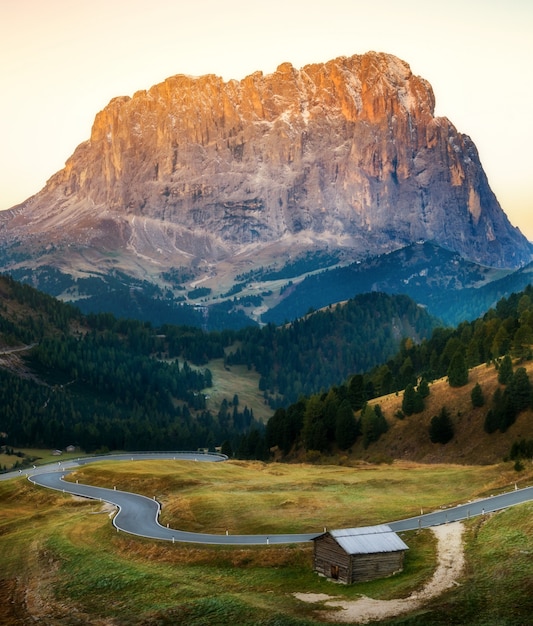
{"x":452,"y":288}
{"x":206,"y":180}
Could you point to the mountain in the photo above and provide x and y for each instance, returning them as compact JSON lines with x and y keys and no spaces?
{"x":452,"y":288}
{"x":197,"y":180}
{"x":464,"y":395}
{"x":101,"y":382}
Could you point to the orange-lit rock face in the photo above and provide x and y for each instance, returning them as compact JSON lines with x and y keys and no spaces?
{"x":347,"y":153}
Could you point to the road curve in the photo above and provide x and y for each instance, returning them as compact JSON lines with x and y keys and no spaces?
{"x":139,"y":515}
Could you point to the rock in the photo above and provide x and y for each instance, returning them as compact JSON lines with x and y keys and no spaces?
{"x":347,"y":154}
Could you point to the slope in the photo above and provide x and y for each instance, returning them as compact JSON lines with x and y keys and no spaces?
{"x":102,"y":382}
{"x":474,"y":380}
{"x":195,"y":181}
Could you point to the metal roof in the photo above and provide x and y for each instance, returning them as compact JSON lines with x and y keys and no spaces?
{"x":368,"y":539}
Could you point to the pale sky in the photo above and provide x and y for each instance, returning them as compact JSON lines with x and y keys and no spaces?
{"x":63,"y":60}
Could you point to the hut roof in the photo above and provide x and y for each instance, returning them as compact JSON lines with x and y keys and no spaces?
{"x":368,"y":539}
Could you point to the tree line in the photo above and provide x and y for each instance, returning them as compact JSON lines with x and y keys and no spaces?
{"x":109,"y":382}
{"x":338,"y":416}
{"x":324,"y":348}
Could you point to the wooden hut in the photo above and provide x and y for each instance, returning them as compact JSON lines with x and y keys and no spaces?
{"x":358,"y":554}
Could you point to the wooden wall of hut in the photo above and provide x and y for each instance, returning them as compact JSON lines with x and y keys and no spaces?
{"x":332,"y":561}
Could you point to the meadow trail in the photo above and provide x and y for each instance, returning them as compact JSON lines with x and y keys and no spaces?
{"x":450,"y":557}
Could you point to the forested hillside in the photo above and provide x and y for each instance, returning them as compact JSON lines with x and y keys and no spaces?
{"x":345,"y":417}
{"x":102,"y":383}
{"x":99,"y":382}
{"x":450,"y":287}
{"x":322,"y":349}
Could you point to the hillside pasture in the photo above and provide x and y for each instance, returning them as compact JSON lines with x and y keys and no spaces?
{"x":408,"y":438}
{"x":63,"y":562}
{"x":248,"y":497}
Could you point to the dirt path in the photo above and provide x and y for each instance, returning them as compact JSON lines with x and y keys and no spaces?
{"x":450,"y":565}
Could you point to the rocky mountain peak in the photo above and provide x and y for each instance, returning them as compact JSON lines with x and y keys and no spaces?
{"x":340,"y":155}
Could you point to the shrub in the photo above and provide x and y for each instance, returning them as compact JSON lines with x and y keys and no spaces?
{"x":441,"y":427}
{"x":477,"y":396}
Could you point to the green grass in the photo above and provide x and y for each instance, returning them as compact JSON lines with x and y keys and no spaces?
{"x":254,"y":497}
{"x":41,"y":456}
{"x":497,"y":588}
{"x":65,"y":553}
{"x":228,"y":381}
{"x":237,"y":378}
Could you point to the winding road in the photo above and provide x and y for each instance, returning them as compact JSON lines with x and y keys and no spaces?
{"x":139,"y":515}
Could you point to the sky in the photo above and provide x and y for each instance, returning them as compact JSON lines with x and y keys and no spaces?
{"x":64,"y":60}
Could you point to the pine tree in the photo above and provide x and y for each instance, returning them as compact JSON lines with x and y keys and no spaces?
{"x":522,"y":340}
{"x":412,"y":401}
{"x":373,"y":424}
{"x":226,"y":449}
{"x":502,"y":414}
{"x":519,"y":390}
{"x":356,"y":392}
{"x":408,"y":399}
{"x":457,"y":371}
{"x":501,"y":342}
{"x":423,"y":388}
{"x":441,"y":427}
{"x":477,"y":396}
{"x":346,"y":430}
{"x":314,"y":427}
{"x":492,"y":422}
{"x":505,"y":373}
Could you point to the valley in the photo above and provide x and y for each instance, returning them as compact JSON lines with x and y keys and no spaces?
{"x":77,"y":559}
{"x":307,"y":273}
{"x":394,"y":476}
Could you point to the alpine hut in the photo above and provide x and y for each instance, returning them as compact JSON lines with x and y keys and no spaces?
{"x":358,"y":554}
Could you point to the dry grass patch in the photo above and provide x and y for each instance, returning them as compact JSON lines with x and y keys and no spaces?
{"x":237,"y":379}
{"x":64,"y":563}
{"x":253,"y":497}
{"x":222,"y":556}
{"x":408,"y":438}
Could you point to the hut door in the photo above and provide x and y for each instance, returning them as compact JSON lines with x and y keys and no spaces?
{"x":335,"y":572}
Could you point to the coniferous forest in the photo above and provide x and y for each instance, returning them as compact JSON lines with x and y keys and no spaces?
{"x":103,"y":383}
{"x":503,"y":335}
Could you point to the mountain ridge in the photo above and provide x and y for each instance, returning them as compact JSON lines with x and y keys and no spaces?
{"x":218,"y":177}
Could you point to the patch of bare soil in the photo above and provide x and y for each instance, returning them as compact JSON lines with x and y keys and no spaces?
{"x":11,"y":360}
{"x":450,"y":565}
{"x":12,"y":608}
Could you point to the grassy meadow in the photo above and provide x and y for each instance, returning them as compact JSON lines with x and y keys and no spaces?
{"x":39,"y":456}
{"x":255,"y":497}
{"x":226,"y":380}
{"x":63,"y":563}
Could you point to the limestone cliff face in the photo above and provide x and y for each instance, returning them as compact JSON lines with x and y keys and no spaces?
{"x":346,"y":154}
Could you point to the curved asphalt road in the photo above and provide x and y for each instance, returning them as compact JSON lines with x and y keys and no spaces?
{"x":138,"y":515}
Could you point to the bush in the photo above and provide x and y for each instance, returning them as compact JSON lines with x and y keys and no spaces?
{"x":522,"y":449}
{"x":441,"y":427}
{"x":518,"y":466}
